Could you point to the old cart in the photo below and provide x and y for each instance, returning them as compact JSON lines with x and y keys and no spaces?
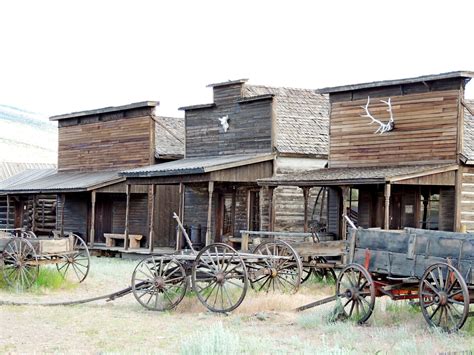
{"x":22,"y":254}
{"x":218,"y":274}
{"x":432,"y":267}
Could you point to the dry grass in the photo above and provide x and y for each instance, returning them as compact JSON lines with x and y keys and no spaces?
{"x":262,"y":324}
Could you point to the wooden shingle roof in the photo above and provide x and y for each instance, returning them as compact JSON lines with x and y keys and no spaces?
{"x":468,"y":139}
{"x":302,"y":119}
{"x":169,"y":137}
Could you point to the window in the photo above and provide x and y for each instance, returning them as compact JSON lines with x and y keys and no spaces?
{"x":227,"y":225}
{"x":429,"y":208}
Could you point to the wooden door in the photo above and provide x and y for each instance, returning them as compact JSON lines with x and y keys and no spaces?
{"x":395,"y":211}
{"x":225,"y":218}
{"x":103,"y":218}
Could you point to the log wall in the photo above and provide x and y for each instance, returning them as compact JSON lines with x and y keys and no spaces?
{"x":467,"y":198}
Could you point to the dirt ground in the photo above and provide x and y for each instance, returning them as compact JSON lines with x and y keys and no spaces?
{"x":264,"y":323}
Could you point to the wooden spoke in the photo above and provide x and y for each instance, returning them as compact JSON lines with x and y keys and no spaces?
{"x":165,"y":283}
{"x":280,"y":262}
{"x":355,"y":288}
{"x":76,"y":264}
{"x":20,"y":269}
{"x":444,"y":297}
{"x":220,"y":285}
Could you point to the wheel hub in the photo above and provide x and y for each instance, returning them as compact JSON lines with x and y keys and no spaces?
{"x":352,"y":293}
{"x":273,"y":272}
{"x":441,"y":298}
{"x":220,"y":278}
{"x":159,"y":282}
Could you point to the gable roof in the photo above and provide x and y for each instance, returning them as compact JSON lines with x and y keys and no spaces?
{"x":9,"y":169}
{"x":302,"y":118}
{"x":468,"y":138}
{"x":169,"y":137}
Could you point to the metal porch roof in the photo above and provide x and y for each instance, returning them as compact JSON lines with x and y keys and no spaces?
{"x":53,"y":181}
{"x":199,"y":165}
{"x":352,"y":176}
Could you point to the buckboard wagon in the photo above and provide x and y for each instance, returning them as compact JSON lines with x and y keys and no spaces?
{"x":432,"y":267}
{"x":22,"y":254}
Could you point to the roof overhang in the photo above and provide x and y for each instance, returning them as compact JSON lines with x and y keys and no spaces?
{"x":363,"y":176}
{"x":376,"y":84}
{"x":62,"y":182}
{"x":105,"y":110}
{"x":232,"y":168}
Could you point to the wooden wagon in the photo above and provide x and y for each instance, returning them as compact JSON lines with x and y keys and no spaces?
{"x":22,"y":254}
{"x":218,"y":274}
{"x":432,"y":267}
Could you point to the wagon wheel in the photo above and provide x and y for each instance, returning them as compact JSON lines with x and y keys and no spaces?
{"x":219,"y":278}
{"x":444,"y":297}
{"x":29,"y":235}
{"x":280,"y":268}
{"x":356,"y":291}
{"x":20,"y":266}
{"x":76,"y":263}
{"x":306,"y":273}
{"x":325,"y":275}
{"x":159,"y":284}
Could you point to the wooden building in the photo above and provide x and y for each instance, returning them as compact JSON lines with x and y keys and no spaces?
{"x":90,"y":197}
{"x":247,"y":133}
{"x":399,"y":155}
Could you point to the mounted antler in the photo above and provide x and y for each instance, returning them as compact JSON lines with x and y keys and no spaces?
{"x":384,"y":127}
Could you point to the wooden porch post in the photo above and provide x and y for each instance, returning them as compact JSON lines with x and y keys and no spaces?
{"x":92,"y":231}
{"x":271,"y":208}
{"x":152,"y":219}
{"x":33,"y":221}
{"x":457,"y":199}
{"x":179,"y":233}
{"x":387,"y":191}
{"x":305,"y":196}
{"x":8,"y":212}
{"x":345,"y":205}
{"x":127,"y":212}
{"x":63,"y":202}
{"x":209,"y":213}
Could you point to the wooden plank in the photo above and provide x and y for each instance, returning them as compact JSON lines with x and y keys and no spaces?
{"x":127,"y":213}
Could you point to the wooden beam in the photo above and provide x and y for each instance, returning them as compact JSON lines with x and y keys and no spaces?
{"x":271,"y":208}
{"x":179,"y":233}
{"x":386,"y":220}
{"x":92,"y":230}
{"x":127,"y":212}
{"x":209,"y":213}
{"x":33,"y":221}
{"x":305,"y":196}
{"x":345,"y":206}
{"x":152,"y":219}
{"x":63,"y":202}
{"x":457,"y":199}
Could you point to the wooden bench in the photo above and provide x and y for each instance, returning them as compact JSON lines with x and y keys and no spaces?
{"x":134,"y":239}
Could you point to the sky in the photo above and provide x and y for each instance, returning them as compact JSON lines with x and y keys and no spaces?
{"x":65,"y":56}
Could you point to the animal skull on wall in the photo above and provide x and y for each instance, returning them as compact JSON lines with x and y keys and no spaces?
{"x":384,"y":127}
{"x":224,"y":120}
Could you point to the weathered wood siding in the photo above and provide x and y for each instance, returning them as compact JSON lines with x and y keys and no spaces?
{"x":115,"y":141}
{"x":334,"y":211}
{"x":425,"y":130}
{"x":467,"y":198}
{"x":76,"y":214}
{"x":250,"y":126}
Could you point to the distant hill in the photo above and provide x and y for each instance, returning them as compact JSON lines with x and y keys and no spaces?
{"x":26,"y":136}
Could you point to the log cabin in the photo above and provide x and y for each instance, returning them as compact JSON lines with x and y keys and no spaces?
{"x":85,"y":194}
{"x":400,"y":155}
{"x":247,"y":133}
